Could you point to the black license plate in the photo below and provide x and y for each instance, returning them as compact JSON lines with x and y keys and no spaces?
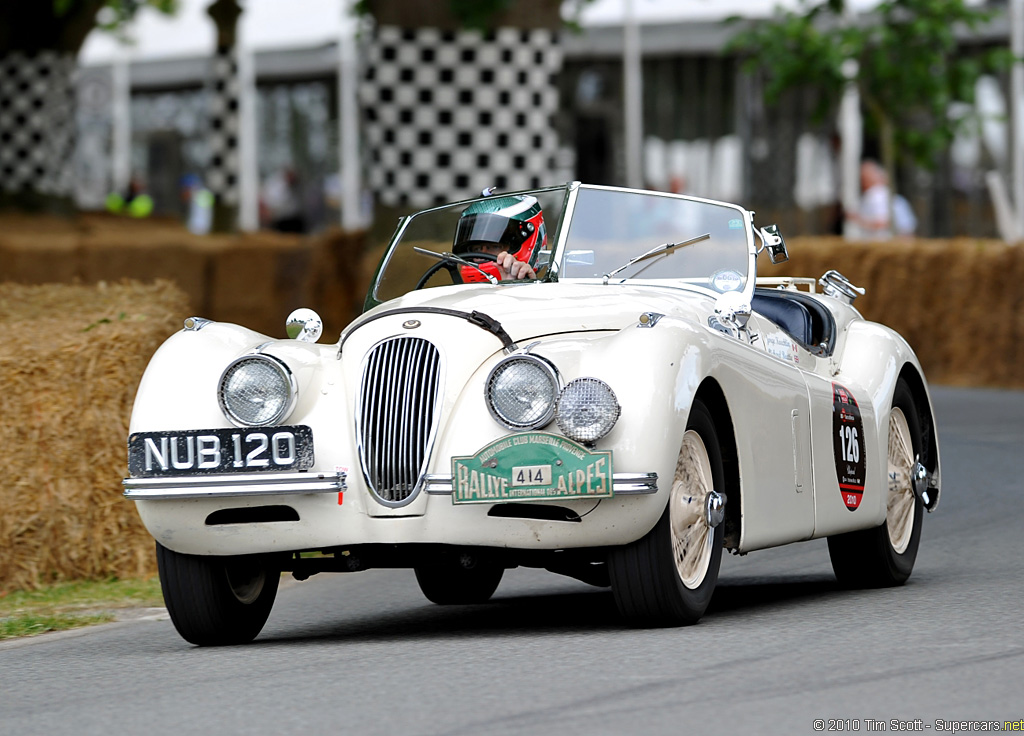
{"x":200,"y":451}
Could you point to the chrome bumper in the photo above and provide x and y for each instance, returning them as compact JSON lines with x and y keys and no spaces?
{"x":224,"y":486}
{"x":623,"y":484}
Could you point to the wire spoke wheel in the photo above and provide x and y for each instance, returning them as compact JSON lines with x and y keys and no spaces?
{"x":884,"y":555}
{"x":667,"y":577}
{"x":899,"y":515}
{"x":692,"y":538}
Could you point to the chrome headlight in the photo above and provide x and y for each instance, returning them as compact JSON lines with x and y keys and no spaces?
{"x":587,"y":410}
{"x":521,"y":392}
{"x":256,"y":390}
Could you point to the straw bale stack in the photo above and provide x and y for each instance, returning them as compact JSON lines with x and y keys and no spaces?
{"x":253,"y":278}
{"x":71,"y":355}
{"x":959,"y":303}
{"x":71,"y":359}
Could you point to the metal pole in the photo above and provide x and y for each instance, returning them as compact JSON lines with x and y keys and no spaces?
{"x":851,"y":133}
{"x":632,"y":97}
{"x":348,"y":123}
{"x":248,"y":147}
{"x":121,"y":98}
{"x":1016,"y":10}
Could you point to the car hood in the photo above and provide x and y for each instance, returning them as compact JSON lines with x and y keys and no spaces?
{"x":528,"y":310}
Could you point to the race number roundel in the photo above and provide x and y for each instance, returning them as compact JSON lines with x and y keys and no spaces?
{"x":848,"y":446}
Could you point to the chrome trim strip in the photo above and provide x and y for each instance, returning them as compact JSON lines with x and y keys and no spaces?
{"x":623,"y":484}
{"x":561,"y":236}
{"x":634,"y":484}
{"x":225,"y":486}
{"x":437,"y":485}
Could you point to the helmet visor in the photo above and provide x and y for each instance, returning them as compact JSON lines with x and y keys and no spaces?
{"x":490,"y":228}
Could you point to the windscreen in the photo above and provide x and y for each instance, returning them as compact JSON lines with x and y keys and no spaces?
{"x":450,"y":229}
{"x":611,"y":227}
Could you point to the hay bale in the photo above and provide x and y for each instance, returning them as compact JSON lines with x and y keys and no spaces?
{"x":72,"y":355}
{"x":957,"y":302}
{"x":254,"y":279}
{"x":342,"y":278}
{"x":70,"y":363}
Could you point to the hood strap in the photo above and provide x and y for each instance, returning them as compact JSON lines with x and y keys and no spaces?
{"x":479,"y":319}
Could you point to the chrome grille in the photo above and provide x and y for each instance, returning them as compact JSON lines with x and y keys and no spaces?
{"x":397,"y":400}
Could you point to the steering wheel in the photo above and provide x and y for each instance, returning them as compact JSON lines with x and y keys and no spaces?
{"x":473,"y":256}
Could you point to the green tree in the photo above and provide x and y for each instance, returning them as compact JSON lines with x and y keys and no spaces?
{"x":39,"y":45}
{"x":481,"y":14}
{"x":904,"y":57}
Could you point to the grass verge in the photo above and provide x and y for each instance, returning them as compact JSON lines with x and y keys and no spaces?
{"x":73,"y":605}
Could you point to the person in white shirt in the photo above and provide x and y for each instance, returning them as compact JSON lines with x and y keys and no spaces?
{"x":873,"y":216}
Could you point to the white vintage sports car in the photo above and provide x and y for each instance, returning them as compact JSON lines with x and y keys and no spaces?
{"x":641,"y":405}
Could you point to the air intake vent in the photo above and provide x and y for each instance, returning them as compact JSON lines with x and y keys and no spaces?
{"x":397,"y":401}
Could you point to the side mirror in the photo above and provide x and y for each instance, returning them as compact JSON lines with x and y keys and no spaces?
{"x":774,"y":244}
{"x":304,"y":325}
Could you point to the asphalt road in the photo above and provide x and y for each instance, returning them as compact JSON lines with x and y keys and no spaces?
{"x":782,"y":645}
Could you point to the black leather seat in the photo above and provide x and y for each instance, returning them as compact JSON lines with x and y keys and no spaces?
{"x":799,"y":316}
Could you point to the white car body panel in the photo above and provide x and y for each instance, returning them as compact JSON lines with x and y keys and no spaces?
{"x":779,"y":398}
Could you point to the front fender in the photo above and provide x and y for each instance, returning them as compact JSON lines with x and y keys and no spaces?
{"x":178,"y":389}
{"x":654,"y":373}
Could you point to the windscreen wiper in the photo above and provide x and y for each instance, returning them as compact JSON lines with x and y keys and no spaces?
{"x":657,"y":251}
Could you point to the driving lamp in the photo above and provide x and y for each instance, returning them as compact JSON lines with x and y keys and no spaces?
{"x":587,"y":410}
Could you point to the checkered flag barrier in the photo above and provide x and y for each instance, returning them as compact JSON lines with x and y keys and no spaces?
{"x":222,"y":136}
{"x":448,"y":113}
{"x":37,"y":122}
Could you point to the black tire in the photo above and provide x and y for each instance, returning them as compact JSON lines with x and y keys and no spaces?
{"x":216,"y":601}
{"x":449,"y":581}
{"x":867,"y":558}
{"x":648,"y":587}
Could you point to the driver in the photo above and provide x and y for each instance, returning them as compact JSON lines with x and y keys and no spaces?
{"x":511,"y":228}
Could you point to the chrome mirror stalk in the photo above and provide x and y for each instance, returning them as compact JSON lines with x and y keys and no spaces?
{"x":773,"y":242}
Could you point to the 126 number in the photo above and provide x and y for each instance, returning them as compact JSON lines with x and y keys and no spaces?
{"x":849,"y":443}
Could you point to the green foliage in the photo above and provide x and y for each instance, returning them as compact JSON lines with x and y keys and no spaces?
{"x":908,"y":66}
{"x":479,"y":13}
{"x":114,"y":13}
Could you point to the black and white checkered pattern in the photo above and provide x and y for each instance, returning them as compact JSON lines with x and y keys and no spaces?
{"x":222,"y":137}
{"x":448,"y":113}
{"x":37,"y":122}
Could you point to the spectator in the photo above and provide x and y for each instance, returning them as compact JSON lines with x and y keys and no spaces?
{"x":282,"y":203}
{"x":873,"y":218}
{"x":199,"y":202}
